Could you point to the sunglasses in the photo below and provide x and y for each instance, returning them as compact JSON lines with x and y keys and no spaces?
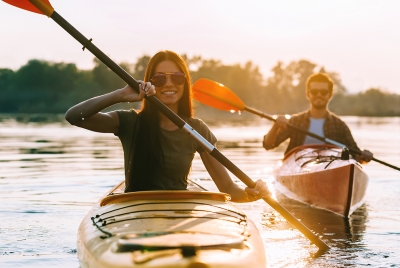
{"x":177,"y":78}
{"x":315,"y":92}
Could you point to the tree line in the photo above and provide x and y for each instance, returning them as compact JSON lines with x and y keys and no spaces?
{"x":48,"y":87}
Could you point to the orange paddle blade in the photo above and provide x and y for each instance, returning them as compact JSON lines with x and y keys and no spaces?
{"x":216,"y":95}
{"x":27,"y":5}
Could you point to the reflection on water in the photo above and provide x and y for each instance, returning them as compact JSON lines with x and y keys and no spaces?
{"x":52,"y":173}
{"x":338,"y":232}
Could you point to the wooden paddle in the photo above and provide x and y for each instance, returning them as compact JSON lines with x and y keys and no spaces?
{"x":44,"y":7}
{"x":217,"y":95}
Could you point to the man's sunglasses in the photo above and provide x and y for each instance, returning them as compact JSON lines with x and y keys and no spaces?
{"x":177,"y":78}
{"x":315,"y":92}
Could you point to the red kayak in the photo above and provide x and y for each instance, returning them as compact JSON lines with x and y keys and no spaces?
{"x":320,"y":176}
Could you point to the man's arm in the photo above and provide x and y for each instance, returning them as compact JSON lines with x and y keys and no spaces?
{"x":223,"y":181}
{"x":269,"y":141}
{"x":365,"y":155}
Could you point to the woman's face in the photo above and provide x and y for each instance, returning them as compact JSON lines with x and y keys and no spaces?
{"x":170,"y":93}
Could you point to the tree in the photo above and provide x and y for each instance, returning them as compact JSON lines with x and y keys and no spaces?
{"x":140,"y":67}
{"x":46,"y":87}
{"x":246,"y":81}
{"x":287,"y":86}
{"x":107,"y":79}
{"x":6,"y":96}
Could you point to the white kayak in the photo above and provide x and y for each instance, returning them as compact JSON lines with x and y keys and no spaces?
{"x":191,"y":229}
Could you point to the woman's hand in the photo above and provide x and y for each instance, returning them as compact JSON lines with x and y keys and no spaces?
{"x":260,"y":190}
{"x":130,"y":95}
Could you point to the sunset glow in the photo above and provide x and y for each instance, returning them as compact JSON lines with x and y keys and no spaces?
{"x":350,"y":38}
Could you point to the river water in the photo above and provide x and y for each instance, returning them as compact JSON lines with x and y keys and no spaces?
{"x":52,"y":173}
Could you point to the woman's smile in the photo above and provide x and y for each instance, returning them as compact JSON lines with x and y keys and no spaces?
{"x":168,"y":92}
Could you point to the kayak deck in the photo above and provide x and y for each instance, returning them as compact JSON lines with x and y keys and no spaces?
{"x":168,"y":229}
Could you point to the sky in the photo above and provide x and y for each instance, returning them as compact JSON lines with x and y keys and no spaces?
{"x":359,"y":39}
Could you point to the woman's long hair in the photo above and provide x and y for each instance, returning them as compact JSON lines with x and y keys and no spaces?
{"x":148,"y":156}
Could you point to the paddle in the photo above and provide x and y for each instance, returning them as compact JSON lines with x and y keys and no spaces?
{"x":217,"y":95}
{"x":44,"y":7}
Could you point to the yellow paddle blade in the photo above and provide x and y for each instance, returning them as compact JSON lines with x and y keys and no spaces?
{"x":216,"y":95}
{"x":38,"y":6}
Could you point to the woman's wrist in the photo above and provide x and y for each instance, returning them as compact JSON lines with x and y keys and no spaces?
{"x":119,"y":96}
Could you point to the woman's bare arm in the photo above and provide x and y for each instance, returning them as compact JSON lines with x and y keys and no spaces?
{"x":88,"y":115}
{"x":220,"y":176}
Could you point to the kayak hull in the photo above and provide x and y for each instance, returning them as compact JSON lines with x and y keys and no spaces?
{"x":168,"y":229}
{"x":325,"y":182}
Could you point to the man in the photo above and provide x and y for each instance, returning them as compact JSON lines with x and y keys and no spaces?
{"x":317,"y":119}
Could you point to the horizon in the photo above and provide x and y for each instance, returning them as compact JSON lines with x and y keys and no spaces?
{"x":357,"y":40}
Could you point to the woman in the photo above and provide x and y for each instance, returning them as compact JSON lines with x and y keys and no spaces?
{"x":158,"y":155}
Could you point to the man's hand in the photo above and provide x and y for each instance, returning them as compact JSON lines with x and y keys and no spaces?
{"x":366,"y":156}
{"x":282,"y":120}
{"x":280,"y":123}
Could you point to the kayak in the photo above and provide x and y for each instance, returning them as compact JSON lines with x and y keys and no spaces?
{"x":191,"y":228}
{"x":322,"y":176}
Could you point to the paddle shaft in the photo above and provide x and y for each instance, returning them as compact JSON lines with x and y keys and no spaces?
{"x":352,"y":150}
{"x":87,"y":44}
{"x":272,"y":202}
